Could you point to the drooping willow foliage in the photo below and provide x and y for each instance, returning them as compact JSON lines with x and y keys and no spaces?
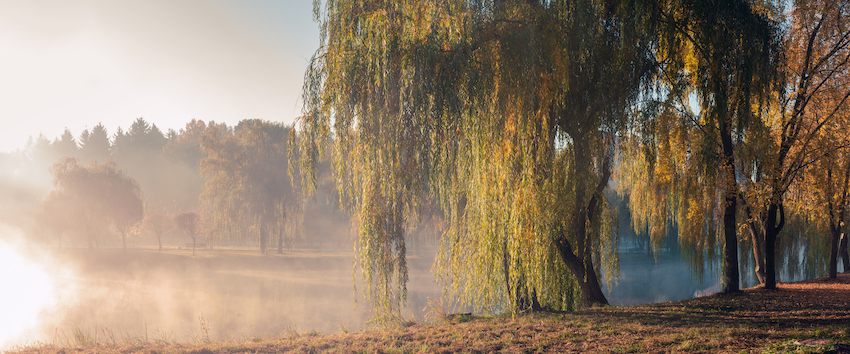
{"x":506,"y":111}
{"x":684,"y":163}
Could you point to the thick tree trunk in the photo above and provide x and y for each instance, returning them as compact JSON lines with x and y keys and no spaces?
{"x":731,"y":276}
{"x":591,"y":292}
{"x":580,"y":260}
{"x":772,"y":227}
{"x":771,"y":231}
{"x":833,"y":250}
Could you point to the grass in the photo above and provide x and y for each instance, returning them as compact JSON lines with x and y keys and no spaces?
{"x":753,"y":321}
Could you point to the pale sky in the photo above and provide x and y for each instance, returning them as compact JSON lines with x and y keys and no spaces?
{"x":75,"y":63}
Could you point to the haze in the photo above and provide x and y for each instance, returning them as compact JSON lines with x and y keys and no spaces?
{"x":75,"y":64}
{"x":191,"y":103}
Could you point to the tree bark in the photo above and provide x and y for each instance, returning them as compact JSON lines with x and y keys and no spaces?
{"x":731,"y":276}
{"x":591,"y":292}
{"x":580,"y":260}
{"x":833,"y":250}
{"x":758,"y":247}
{"x":842,"y":249}
{"x":771,"y":232}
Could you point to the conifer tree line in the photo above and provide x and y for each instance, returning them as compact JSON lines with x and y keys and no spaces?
{"x":726,"y":120}
{"x":207,"y":183}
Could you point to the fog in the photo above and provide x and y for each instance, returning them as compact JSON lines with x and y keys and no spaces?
{"x":71,"y":280}
{"x":110,"y":295}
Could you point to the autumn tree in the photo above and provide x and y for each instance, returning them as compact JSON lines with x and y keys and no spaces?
{"x":507,"y":110}
{"x":682,"y":162}
{"x":807,"y":126}
{"x":104,"y":195}
{"x":182,"y":155}
{"x":246,"y":174}
{"x":188,"y":222}
{"x":59,"y":213}
{"x":158,"y":224}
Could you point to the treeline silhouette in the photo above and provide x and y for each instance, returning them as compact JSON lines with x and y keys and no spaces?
{"x":236,"y":179}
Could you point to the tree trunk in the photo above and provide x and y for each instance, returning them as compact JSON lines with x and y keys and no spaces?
{"x":591,"y":292}
{"x":842,"y":250}
{"x":836,"y":222}
{"x":833,"y":249}
{"x":580,"y":260}
{"x":280,"y":240}
{"x":771,"y":231}
{"x":159,"y":241}
{"x":124,"y":241}
{"x":731,"y":276}
{"x":262,"y":236}
{"x":758,"y":249}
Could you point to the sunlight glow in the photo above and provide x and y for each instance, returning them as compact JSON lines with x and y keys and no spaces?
{"x":26,"y":291}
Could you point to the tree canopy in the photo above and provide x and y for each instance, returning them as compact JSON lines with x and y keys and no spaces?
{"x":508,"y":111}
{"x":247,"y":179}
{"x":102,"y":196}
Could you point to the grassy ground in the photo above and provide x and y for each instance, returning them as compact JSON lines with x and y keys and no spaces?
{"x":754,"y":321}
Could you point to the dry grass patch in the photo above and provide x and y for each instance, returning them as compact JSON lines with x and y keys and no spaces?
{"x":753,"y":321}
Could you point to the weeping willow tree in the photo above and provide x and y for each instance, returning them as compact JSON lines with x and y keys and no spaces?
{"x":507,"y":111}
{"x":683,"y":162}
{"x":247,"y":184}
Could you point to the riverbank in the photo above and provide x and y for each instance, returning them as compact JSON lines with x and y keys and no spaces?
{"x":788,"y":319}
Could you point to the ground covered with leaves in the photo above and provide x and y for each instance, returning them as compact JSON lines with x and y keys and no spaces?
{"x":805,"y":317}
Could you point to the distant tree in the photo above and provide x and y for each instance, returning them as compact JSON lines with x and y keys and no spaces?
{"x":126,"y":208}
{"x":65,"y":146}
{"x":104,"y":195}
{"x":182,"y":153}
{"x":141,"y":141}
{"x":188,"y":222}
{"x":94,"y":144}
{"x":186,"y":145}
{"x":246,"y":170}
{"x":59,"y":213}
{"x":158,"y":224}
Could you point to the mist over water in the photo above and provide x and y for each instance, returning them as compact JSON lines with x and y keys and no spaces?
{"x":646,"y":280}
{"x":232,"y":293}
{"x":28,"y":290}
{"x":225,"y":294}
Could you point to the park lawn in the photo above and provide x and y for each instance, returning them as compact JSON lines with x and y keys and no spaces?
{"x":753,"y":321}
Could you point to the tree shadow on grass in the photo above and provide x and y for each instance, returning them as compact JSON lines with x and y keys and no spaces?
{"x":817,"y":302}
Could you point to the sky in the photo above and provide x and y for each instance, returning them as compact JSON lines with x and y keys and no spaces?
{"x":76,"y":63}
